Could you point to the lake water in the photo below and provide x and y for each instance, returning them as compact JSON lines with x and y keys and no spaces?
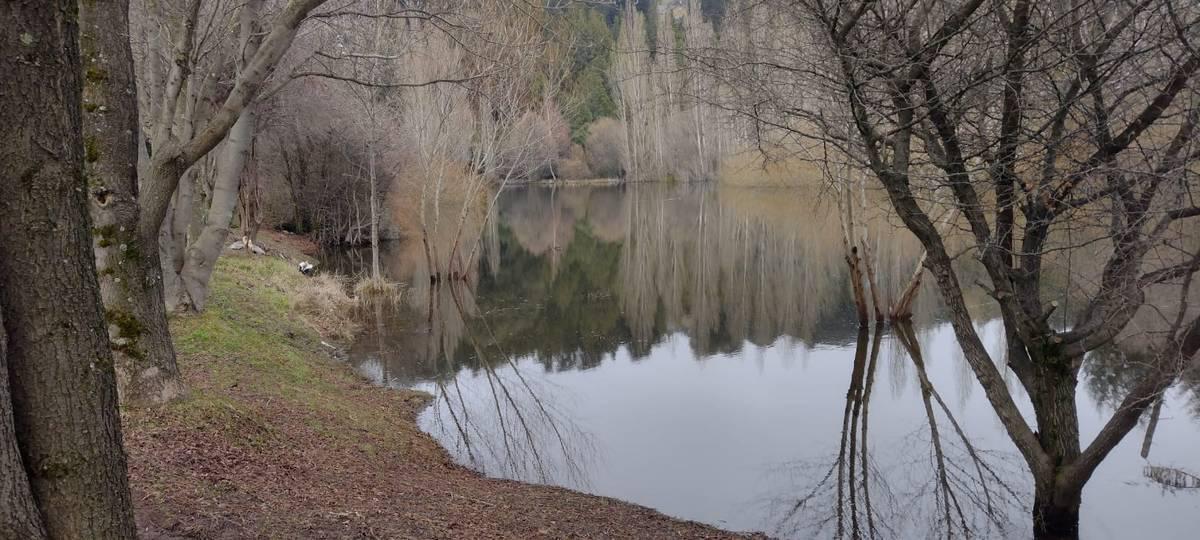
{"x":694,"y":350}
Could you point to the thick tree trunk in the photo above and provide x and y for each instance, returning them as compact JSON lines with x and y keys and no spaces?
{"x":59,"y":366}
{"x":1053,"y":520}
{"x":1057,"y":495}
{"x":19,"y":516}
{"x":1055,"y":410}
{"x":1056,"y":498}
{"x":137,"y":324}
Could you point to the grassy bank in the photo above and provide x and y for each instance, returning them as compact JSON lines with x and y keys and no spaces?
{"x":276,"y":439}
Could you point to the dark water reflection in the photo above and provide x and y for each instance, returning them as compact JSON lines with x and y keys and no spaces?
{"x":694,"y":350}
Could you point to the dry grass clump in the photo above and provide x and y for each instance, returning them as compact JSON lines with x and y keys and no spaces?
{"x":377,"y":289}
{"x":323,"y":303}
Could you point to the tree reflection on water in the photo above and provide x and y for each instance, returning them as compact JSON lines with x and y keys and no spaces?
{"x":932,"y":480}
{"x":571,"y":281}
{"x":515,"y":428}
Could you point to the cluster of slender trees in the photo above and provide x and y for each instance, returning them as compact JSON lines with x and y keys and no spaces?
{"x":667,"y":109}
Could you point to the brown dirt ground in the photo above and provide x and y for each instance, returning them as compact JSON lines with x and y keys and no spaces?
{"x":289,"y":443}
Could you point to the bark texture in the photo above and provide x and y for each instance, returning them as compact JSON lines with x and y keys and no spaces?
{"x":60,"y":372}
{"x":19,"y":516}
{"x":130,"y":282}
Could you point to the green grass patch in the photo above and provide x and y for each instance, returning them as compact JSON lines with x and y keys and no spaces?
{"x":255,"y":352}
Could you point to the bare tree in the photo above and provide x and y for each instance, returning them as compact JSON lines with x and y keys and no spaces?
{"x":173,"y":151}
{"x":1056,"y":130}
{"x":201,"y":255}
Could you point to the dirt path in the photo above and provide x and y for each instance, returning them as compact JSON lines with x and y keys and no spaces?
{"x":278,"y":440}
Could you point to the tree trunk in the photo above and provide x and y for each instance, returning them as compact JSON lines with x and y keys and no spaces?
{"x":173,"y":238}
{"x":1056,"y":499}
{"x":856,"y":286}
{"x":1053,"y":520}
{"x":868,"y":259}
{"x":143,"y":354}
{"x":1055,"y":410}
{"x":59,"y":366}
{"x":19,"y":516}
{"x":846,"y":214}
{"x":202,"y":254}
{"x":372,"y":175}
{"x":1148,"y":440}
{"x":250,"y":216}
{"x":902,"y":310}
{"x":179,"y":223}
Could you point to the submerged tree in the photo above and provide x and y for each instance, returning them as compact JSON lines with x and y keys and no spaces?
{"x":62,"y":467}
{"x":1056,"y":130}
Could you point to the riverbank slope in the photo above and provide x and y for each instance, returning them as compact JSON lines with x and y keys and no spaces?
{"x":277,"y":439}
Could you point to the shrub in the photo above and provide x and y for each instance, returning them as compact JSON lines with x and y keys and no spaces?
{"x":606,"y":147}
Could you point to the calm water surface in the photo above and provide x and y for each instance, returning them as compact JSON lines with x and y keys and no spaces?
{"x":694,"y":350}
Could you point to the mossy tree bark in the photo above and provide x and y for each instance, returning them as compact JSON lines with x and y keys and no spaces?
{"x":61,"y":385}
{"x":130,"y":281}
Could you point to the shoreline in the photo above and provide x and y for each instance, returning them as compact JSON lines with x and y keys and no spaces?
{"x":277,"y":438}
{"x":567,"y":182}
